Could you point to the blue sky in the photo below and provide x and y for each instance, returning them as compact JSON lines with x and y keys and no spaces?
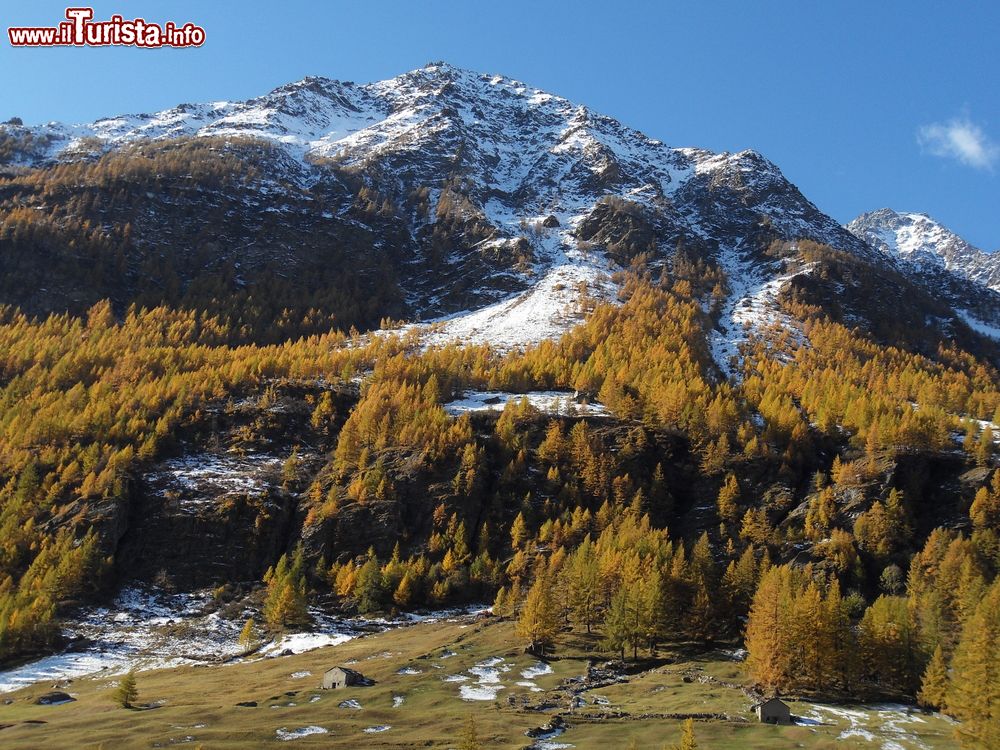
{"x":862,"y":104}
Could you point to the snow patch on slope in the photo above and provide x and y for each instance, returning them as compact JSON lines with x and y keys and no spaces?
{"x":549,"y":402}
{"x":284,"y":734}
{"x":546,"y":311}
{"x":200,"y":480}
{"x":750,"y":308}
{"x":979,"y":326}
{"x":566,"y":275}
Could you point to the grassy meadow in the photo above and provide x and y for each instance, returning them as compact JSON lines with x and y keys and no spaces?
{"x":417,"y":694}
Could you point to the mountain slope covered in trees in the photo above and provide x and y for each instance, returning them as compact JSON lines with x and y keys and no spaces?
{"x":796,"y":444}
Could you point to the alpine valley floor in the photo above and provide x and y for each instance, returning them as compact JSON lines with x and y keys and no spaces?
{"x":430,"y":678}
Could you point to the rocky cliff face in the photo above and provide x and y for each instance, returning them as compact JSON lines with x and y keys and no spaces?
{"x":227,"y":504}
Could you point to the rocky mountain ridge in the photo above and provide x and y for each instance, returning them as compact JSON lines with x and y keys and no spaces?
{"x":472,"y":199}
{"x":939,"y":259}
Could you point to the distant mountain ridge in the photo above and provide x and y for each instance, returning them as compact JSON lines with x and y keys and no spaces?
{"x":921,"y":241}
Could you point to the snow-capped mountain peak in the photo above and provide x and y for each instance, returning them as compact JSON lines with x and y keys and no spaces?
{"x":500,"y":201}
{"x":920,"y":241}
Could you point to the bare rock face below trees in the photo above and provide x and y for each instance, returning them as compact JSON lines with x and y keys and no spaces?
{"x":226,"y":507}
{"x":201,"y":538}
{"x":357,"y":527}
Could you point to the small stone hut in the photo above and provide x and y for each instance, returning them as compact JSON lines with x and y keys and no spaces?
{"x":773,"y":711}
{"x":341,"y":677}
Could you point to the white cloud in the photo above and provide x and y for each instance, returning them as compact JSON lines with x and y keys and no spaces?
{"x":960,"y":139}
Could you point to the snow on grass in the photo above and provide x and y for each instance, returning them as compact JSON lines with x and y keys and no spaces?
{"x":480,"y":692}
{"x":487,"y":674}
{"x":285,"y":734}
{"x":488,"y":670}
{"x":549,"y":402}
{"x":536,"y":670}
{"x":349,"y":703}
{"x":137,"y":630}
{"x":145,"y":628}
{"x":409,"y":670}
{"x":891,"y":726}
{"x":300,"y":675}
{"x":446,"y":615}
{"x":377,"y":729}
{"x":299,"y":643}
{"x":398,"y":700}
{"x":60,"y":667}
{"x":544,"y":741}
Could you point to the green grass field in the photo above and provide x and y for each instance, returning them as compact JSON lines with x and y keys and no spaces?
{"x":196,"y":706}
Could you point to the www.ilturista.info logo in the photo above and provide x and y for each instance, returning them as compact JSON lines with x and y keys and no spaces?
{"x":80,"y":30}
